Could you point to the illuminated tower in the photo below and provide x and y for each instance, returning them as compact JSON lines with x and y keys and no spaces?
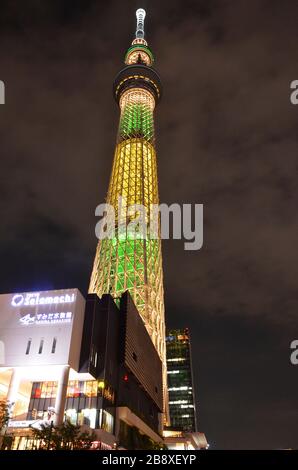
{"x":125,"y":262}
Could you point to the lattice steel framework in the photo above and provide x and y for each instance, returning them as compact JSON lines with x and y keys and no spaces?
{"x":127,"y":262}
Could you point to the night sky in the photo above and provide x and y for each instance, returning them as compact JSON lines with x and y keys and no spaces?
{"x":226,"y":138}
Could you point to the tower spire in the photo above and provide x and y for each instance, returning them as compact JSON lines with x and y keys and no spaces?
{"x":140,"y":31}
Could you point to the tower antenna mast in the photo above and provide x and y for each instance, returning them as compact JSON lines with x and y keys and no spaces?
{"x":140,"y":31}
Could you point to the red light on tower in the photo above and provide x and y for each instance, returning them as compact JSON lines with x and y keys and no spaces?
{"x":125,"y":378}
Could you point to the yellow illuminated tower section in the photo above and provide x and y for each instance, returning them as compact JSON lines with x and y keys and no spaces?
{"x":126,"y":262}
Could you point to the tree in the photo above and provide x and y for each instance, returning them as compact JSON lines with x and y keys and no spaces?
{"x":67,"y":436}
{"x":46,"y":436}
{"x":72,"y":437}
{"x":5,"y":441}
{"x":132,"y":439}
{"x":4,"y":415}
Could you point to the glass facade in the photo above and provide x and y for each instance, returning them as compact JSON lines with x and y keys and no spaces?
{"x":78,"y":388}
{"x":84,"y":402}
{"x":180,"y":381}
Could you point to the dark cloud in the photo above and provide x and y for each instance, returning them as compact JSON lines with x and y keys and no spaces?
{"x":227,"y":138}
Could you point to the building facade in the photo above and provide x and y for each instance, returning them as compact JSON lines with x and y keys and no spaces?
{"x":89,"y":362}
{"x":182,"y":404}
{"x":126,"y":261}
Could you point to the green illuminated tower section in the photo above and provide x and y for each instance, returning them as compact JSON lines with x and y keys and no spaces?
{"x":126,"y":262}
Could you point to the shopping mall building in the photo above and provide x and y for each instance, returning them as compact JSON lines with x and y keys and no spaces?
{"x":87,"y":360}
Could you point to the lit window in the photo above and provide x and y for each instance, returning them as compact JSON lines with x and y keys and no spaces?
{"x":44,"y":389}
{"x":177,"y":402}
{"x":182,"y":337}
{"x":71,"y":415}
{"x":88,"y":417}
{"x":176,"y":359}
{"x":79,"y":388}
{"x":107,"y":421}
{"x":176,"y":389}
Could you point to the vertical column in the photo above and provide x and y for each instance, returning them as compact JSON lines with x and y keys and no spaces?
{"x":61,"y":395}
{"x":13,"y":389}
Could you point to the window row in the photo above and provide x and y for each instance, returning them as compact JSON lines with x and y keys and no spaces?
{"x":75,"y":388}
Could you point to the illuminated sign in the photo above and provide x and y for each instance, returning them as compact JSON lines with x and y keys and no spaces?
{"x":36,"y":424}
{"x":46,"y":318}
{"x":20,"y":424}
{"x":36,"y":298}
